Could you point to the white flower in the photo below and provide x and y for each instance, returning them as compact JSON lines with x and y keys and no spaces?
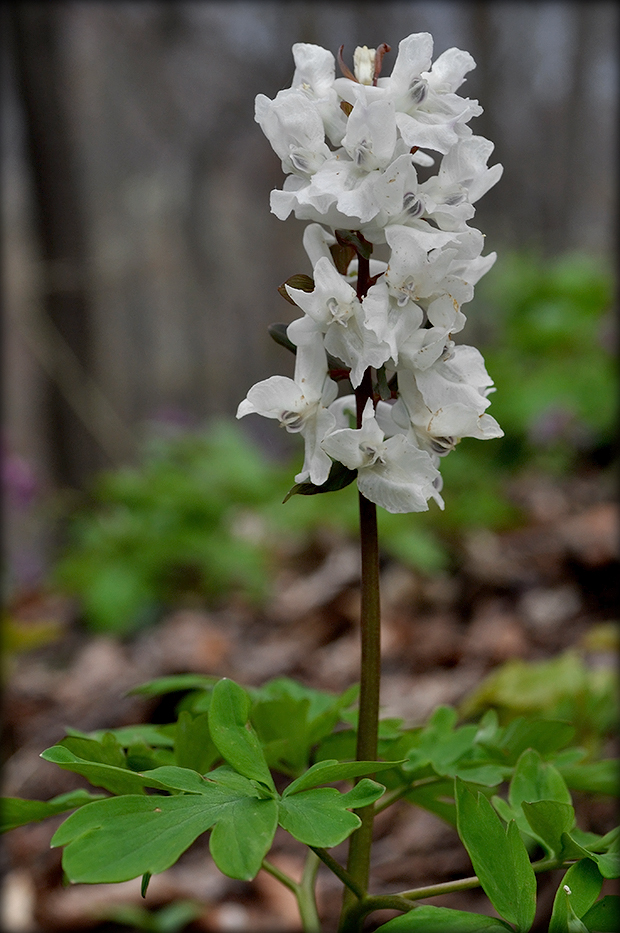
{"x":371,"y":134}
{"x":314,"y":75}
{"x":429,"y":113}
{"x":392,"y":324}
{"x":334,"y":310}
{"x":300,"y":405}
{"x":447,"y":401}
{"x":293,"y":126}
{"x":462,"y":179}
{"x":392,"y":473}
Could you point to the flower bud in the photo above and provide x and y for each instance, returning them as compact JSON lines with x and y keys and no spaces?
{"x":364,"y":64}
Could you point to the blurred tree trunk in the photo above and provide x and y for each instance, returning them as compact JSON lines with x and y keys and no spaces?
{"x":59,"y":223}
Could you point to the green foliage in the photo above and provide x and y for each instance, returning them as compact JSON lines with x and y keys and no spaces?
{"x":504,"y":787}
{"x":551,"y":358}
{"x":167,"y":530}
{"x":136,"y":832}
{"x":564,"y":687}
{"x":169,"y":919}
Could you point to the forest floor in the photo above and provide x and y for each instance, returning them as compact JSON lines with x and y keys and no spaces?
{"x":529,"y":593}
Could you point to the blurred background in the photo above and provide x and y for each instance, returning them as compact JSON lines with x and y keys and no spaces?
{"x":140,"y":270}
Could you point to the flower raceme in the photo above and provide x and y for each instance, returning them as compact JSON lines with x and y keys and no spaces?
{"x":353,"y":149}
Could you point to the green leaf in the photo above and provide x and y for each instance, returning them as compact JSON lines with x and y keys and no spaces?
{"x":363,"y":794}
{"x":610,"y":841}
{"x":436,"y":798}
{"x":144,"y":884}
{"x":546,"y":736}
{"x":326,"y":772}
{"x":116,"y":780}
{"x":193,"y":746}
{"x":549,"y":819}
{"x":129,"y":735}
{"x":172,"y":778}
{"x":604,"y":915}
{"x":534,"y":779}
{"x":608,"y":863}
{"x":577,"y":892}
{"x":173,"y":683}
{"x":243,"y":836}
{"x":321,"y":816}
{"x":142,"y":758}
{"x":123,"y":837}
{"x":498,"y":856}
{"x":539,"y":801}
{"x":106,"y":751}
{"x":599,"y":777}
{"x":284,"y":731}
{"x":17,"y":811}
{"x":440,"y":743}
{"x":427,"y":919}
{"x":339,"y":477}
{"x":232,"y":734}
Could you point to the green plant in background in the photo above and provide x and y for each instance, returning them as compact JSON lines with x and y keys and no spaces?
{"x":546,"y":328}
{"x":169,"y":919}
{"x":554,"y":351}
{"x":164,"y":531}
{"x":565,"y":687}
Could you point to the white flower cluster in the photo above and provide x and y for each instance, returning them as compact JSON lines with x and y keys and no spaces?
{"x":353,"y":149}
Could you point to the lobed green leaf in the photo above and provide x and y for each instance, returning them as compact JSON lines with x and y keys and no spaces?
{"x":111,"y":777}
{"x":322,"y":816}
{"x":123,"y":837}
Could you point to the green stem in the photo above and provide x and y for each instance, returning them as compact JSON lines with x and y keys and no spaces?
{"x":307,"y":895}
{"x":402,"y":792}
{"x":303,"y":891}
{"x":339,"y":871}
{"x":465,"y":884}
{"x":285,"y":879}
{"x":403,"y":900}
